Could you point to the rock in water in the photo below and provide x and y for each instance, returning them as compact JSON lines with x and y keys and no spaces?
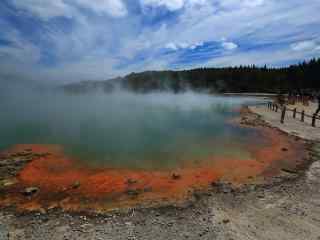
{"x":176,"y":176}
{"x":131,"y":181}
{"x":76,"y":185}
{"x":30,"y":191}
{"x":133,"y":192}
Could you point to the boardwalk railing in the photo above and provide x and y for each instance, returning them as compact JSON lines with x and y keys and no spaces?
{"x":284,"y":110}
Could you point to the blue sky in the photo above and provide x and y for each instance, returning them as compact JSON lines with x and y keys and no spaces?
{"x":72,"y":40}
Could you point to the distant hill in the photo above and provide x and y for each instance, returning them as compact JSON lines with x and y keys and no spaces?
{"x":231,"y":79}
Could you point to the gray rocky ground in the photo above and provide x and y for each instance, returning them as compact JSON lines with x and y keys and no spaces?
{"x":289,"y":208}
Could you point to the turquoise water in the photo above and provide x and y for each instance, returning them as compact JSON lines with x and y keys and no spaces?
{"x":152,"y":131}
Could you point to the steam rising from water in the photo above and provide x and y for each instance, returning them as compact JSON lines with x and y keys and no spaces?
{"x":122,"y":129}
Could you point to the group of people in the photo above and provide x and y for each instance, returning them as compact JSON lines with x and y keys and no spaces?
{"x":300,"y":96}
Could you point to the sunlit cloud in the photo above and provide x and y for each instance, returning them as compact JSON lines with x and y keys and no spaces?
{"x":182,"y":45}
{"x":306,"y":46}
{"x":229,"y":45}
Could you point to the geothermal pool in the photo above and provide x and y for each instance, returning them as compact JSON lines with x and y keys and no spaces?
{"x":122,"y":150}
{"x":155,"y":131}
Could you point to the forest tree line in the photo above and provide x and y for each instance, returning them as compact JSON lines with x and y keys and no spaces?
{"x":303,"y":76}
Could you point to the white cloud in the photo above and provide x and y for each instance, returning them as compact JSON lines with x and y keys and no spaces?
{"x":19,"y":50}
{"x":305,"y":46}
{"x":253,"y":3}
{"x":48,"y":9}
{"x":183,"y":45}
{"x":115,"y":8}
{"x":172,"y":46}
{"x":45,"y":9}
{"x":236,"y":4}
{"x":172,"y":5}
{"x":195,"y":45}
{"x":229,"y":45}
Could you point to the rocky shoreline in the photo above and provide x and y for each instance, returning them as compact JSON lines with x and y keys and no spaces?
{"x":12,"y":163}
{"x":288,"y":207}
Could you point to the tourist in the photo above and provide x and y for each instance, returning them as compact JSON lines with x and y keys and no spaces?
{"x":318,"y":110}
{"x":291,"y":98}
{"x":305,"y":98}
